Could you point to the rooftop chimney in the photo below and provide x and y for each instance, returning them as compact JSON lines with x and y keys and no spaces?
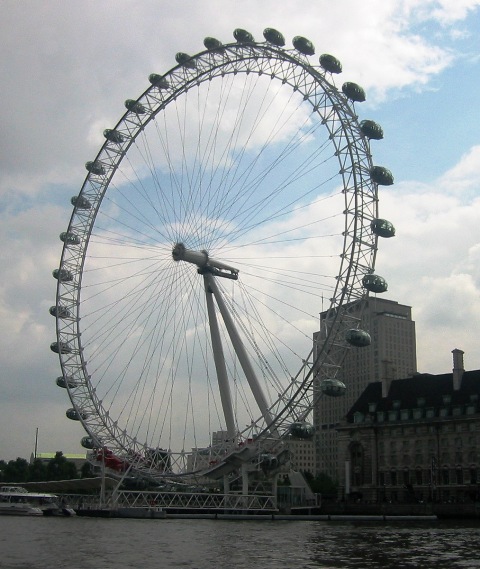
{"x":458,"y":368}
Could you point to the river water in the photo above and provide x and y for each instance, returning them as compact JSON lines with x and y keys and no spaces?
{"x":84,"y":543}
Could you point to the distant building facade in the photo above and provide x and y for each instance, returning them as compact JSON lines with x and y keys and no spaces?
{"x":78,"y":459}
{"x":414,"y":439}
{"x":202,"y":458}
{"x":302,"y":454}
{"x":392,"y":353}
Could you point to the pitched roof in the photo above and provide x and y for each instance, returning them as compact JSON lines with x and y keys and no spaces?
{"x":408,"y":391}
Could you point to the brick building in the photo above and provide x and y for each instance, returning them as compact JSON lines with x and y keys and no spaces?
{"x":414,"y":439}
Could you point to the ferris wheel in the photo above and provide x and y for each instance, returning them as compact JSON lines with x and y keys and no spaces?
{"x":233,"y":201}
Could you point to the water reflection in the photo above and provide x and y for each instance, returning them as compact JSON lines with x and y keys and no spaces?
{"x":397,"y":546}
{"x":206,"y":544}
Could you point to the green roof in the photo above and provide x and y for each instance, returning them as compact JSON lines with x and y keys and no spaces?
{"x":68,"y":456}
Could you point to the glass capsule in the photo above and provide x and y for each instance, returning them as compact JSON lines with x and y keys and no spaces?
{"x":242,"y":36}
{"x":358,"y":338}
{"x":374,"y":283}
{"x":332,"y":387}
{"x":354,"y":92}
{"x":330,"y":63}
{"x":274,"y":37}
{"x":303,"y":45}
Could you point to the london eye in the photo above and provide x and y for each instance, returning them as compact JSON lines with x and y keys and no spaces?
{"x":234,"y":200}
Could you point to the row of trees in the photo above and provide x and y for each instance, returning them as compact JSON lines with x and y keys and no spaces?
{"x":58,"y":468}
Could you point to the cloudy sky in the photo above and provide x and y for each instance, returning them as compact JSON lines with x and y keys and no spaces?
{"x":66,"y":69}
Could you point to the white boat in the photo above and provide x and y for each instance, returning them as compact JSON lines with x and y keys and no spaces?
{"x":15,"y":500}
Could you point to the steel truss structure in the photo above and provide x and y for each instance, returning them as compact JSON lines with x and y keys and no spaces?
{"x":86,"y":358}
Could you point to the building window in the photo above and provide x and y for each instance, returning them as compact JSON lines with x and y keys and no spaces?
{"x":356,"y":457}
{"x":445,"y":476}
{"x":358,"y":417}
{"x":405,"y":414}
{"x":459,"y":475}
{"x":473,"y":475}
{"x":392,"y":415}
{"x":418,"y":477}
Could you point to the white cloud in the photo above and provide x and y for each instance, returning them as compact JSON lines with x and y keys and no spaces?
{"x":431,"y":263}
{"x":74,"y":64}
{"x":463,"y":177}
{"x":69,"y":68}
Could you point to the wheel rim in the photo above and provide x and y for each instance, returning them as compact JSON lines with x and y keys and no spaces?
{"x":137,"y":320}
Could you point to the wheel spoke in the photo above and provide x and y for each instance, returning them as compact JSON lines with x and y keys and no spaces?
{"x":245,"y":175}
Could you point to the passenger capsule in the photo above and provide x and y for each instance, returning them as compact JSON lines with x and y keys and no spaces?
{"x":303,"y":45}
{"x":358,"y":338}
{"x":113,"y":135}
{"x":185,"y":60}
{"x":381,"y":176}
{"x":63,"y":382}
{"x":212,"y":44}
{"x":60,"y":311}
{"x":88,"y":443}
{"x":158,"y":81}
{"x":354,"y":92}
{"x":332,"y":387}
{"x":374,"y":283}
{"x":80,"y":202}
{"x":60,"y":347}
{"x":371,"y":129}
{"x":95,"y":168}
{"x":135,"y":107}
{"x":242,"y":36}
{"x":62,"y":275}
{"x":75,"y":415}
{"x":274,"y":37}
{"x":382,"y":228}
{"x":301,"y":430}
{"x":330,"y":63}
{"x":267,"y":461}
{"x":69,"y":238}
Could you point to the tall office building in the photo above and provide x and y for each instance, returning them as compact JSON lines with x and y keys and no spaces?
{"x":391,"y":354}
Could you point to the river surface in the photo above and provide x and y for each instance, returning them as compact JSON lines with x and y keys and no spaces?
{"x":84,"y":543}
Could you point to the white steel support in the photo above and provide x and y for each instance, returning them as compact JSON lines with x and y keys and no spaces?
{"x":241,"y":352}
{"x":221,"y":368}
{"x":245,"y":479}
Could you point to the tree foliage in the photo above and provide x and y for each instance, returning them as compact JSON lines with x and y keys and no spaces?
{"x":20,"y":470}
{"x":322,"y":484}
